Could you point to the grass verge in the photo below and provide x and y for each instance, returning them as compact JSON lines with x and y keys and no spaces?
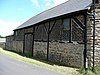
{"x":89,"y":71}
{"x":63,"y":69}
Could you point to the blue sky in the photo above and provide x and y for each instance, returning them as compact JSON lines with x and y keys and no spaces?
{"x":14,"y":12}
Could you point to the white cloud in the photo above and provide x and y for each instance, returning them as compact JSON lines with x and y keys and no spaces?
{"x":35,"y":2}
{"x":52,"y":3}
{"x":49,"y":3}
{"x":57,"y":2}
{"x":6,"y":27}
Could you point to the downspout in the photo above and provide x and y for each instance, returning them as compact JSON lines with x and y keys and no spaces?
{"x":93,"y":34}
{"x":85,"y":41}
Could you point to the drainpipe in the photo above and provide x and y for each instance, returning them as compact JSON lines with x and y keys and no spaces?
{"x":93,"y":34}
{"x":86,"y":64}
{"x":85,"y":41}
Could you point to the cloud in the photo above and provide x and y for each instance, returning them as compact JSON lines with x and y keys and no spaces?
{"x":35,"y":2}
{"x":6,"y":27}
{"x":48,"y":3}
{"x":57,"y":2}
{"x":52,"y":3}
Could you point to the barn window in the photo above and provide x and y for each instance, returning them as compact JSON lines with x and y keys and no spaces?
{"x":66,"y":24}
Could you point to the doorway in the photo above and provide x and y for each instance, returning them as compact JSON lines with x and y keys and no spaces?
{"x":28,"y":44}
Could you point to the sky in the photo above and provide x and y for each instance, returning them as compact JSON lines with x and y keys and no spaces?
{"x":15,"y":12}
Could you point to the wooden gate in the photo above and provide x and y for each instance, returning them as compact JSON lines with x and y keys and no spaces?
{"x":28,"y":44}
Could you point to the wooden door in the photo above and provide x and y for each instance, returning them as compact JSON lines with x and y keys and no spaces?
{"x":28,"y":45}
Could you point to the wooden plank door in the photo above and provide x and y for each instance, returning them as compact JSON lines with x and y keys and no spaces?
{"x":28,"y":44}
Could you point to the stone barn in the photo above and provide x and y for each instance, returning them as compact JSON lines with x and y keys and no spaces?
{"x":62,"y":34}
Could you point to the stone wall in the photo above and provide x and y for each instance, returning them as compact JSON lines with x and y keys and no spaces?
{"x":97,"y":38}
{"x":17,"y":46}
{"x":13,"y":45}
{"x":40,"y":49}
{"x":66,"y":53}
{"x":2,"y":44}
{"x":61,"y":53}
{"x":97,"y":43}
{"x":9,"y":42}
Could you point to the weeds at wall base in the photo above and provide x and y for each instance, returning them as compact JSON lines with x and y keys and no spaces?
{"x":89,"y":71}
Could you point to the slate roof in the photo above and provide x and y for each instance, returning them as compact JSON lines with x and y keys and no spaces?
{"x":62,"y":9}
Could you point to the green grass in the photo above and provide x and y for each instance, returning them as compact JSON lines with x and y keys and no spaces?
{"x":63,"y":69}
{"x":89,"y":71}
